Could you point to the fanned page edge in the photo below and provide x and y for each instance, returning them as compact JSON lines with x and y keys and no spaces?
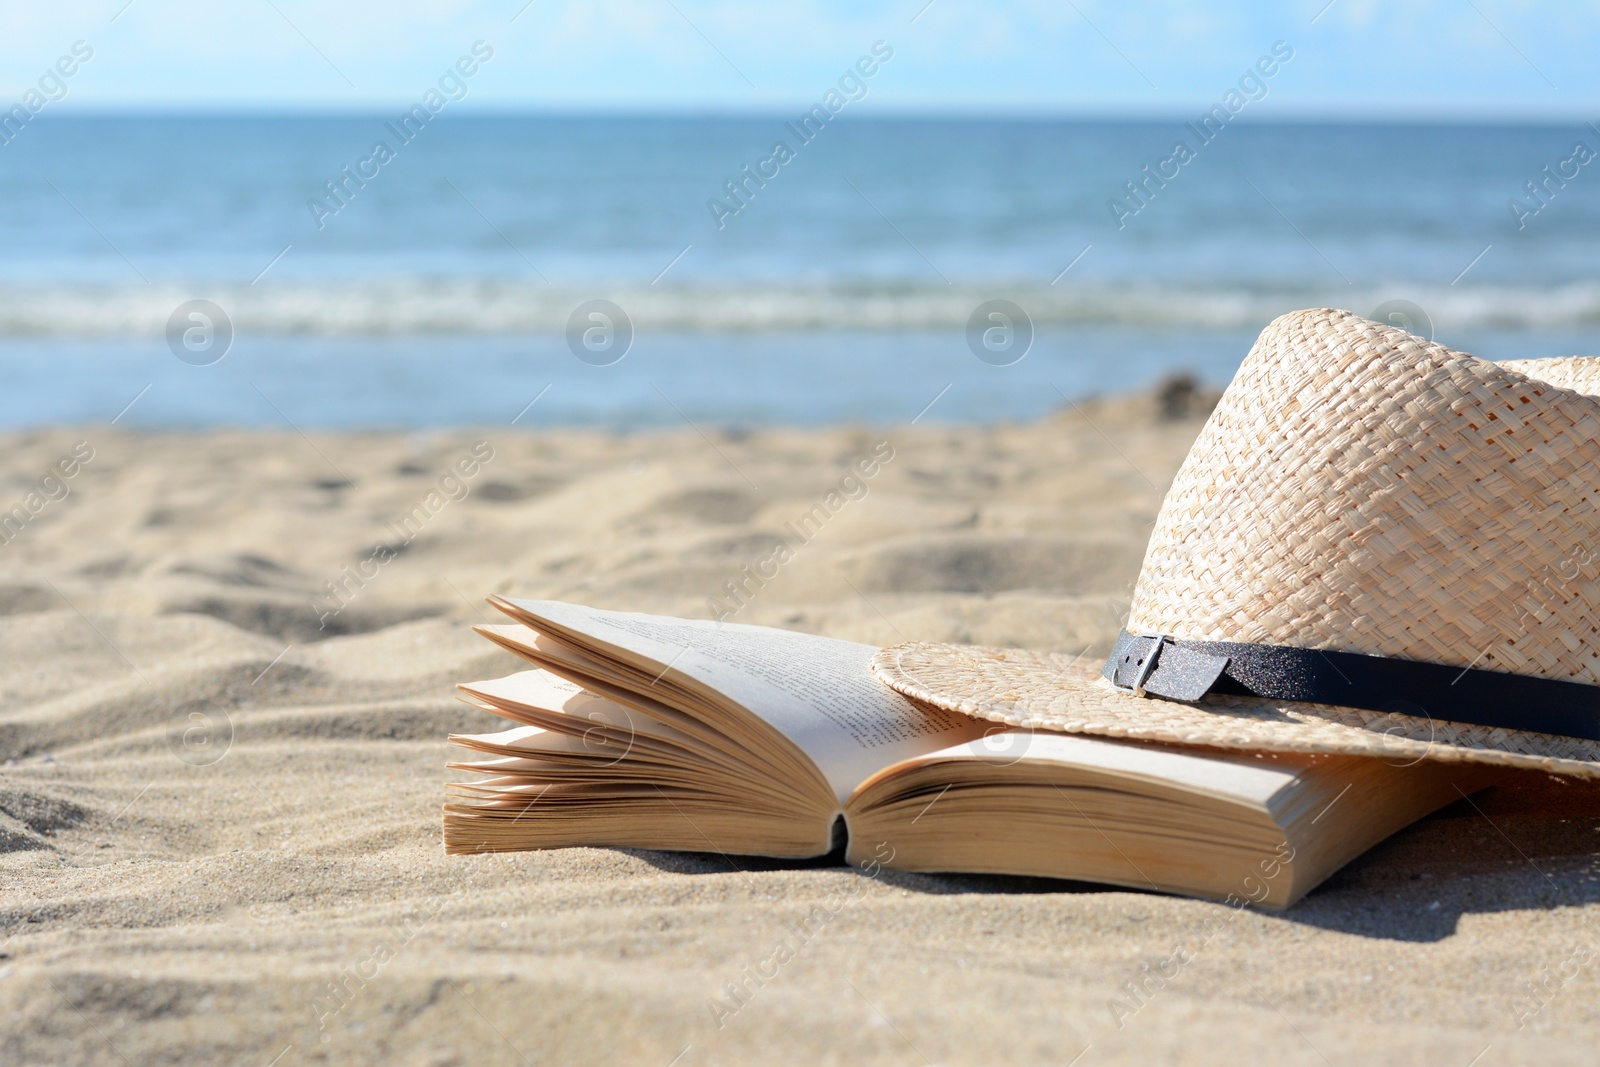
{"x":721,"y":808}
{"x":842,"y":762}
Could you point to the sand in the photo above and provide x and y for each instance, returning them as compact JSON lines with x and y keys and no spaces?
{"x":219,"y":803}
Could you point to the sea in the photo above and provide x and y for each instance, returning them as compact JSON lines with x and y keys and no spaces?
{"x":351,"y":271}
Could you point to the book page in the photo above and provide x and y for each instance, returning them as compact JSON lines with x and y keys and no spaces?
{"x":816,"y":691}
{"x":1237,"y":777}
{"x":541,"y":689}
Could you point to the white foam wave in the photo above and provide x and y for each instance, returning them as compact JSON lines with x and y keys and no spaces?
{"x":432,"y":307}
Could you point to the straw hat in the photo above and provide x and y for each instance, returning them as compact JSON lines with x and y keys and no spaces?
{"x":1376,"y":546}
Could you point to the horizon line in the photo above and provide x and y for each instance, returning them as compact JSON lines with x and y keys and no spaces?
{"x":1306,"y":117}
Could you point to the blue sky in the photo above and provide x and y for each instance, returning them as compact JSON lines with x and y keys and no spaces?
{"x":1461,"y":59}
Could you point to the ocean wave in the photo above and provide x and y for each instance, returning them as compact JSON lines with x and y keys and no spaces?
{"x":459,"y":307}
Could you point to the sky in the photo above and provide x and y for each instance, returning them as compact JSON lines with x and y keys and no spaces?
{"x":1461,"y":60}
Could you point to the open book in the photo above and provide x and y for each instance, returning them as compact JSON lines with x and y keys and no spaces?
{"x":661,"y":733}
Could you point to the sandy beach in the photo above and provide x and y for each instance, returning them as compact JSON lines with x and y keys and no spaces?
{"x":226,"y":670}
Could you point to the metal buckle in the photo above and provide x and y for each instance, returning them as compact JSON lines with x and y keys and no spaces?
{"x":1146,"y":666}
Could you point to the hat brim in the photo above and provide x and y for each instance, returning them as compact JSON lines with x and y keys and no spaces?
{"x":1047,"y":691}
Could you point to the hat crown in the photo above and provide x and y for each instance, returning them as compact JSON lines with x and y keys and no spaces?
{"x":1362,"y":489}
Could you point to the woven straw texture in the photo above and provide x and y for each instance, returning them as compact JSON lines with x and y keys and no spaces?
{"x":1581,"y":374}
{"x":1045,"y":691}
{"x":1361,"y":489}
